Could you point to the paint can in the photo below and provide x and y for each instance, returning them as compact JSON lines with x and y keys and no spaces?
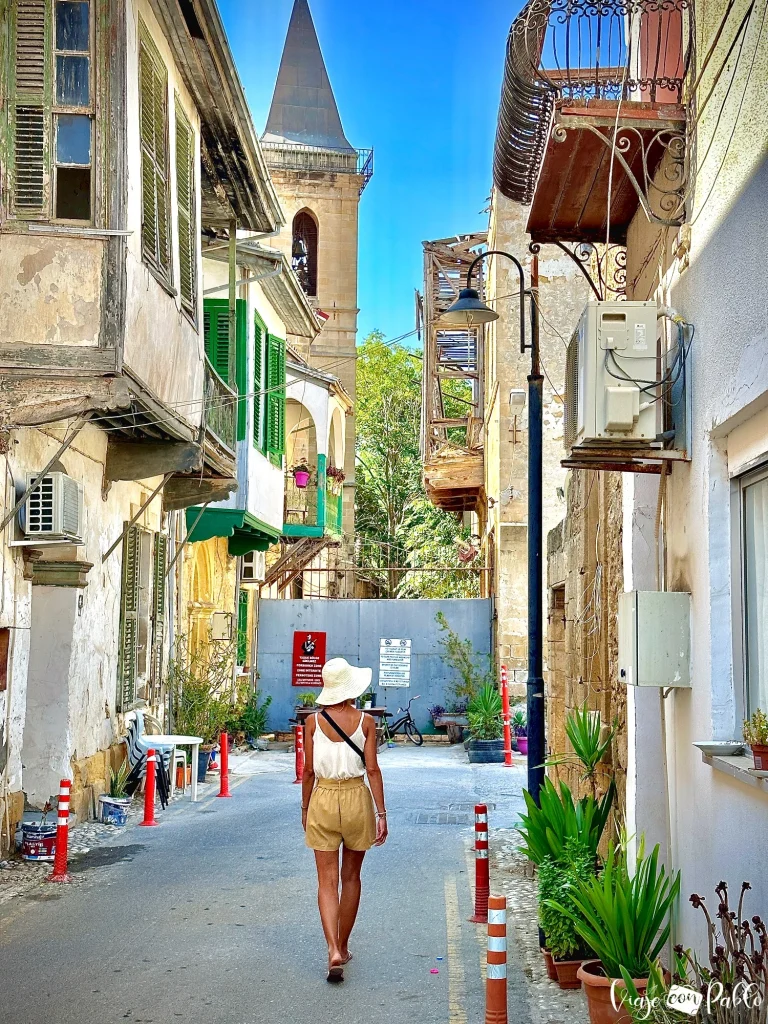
{"x":38,"y":841}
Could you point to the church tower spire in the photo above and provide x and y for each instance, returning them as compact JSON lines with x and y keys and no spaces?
{"x":303,"y":107}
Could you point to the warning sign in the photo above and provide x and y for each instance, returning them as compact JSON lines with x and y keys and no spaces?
{"x":308,"y":659}
{"x":394,"y":662}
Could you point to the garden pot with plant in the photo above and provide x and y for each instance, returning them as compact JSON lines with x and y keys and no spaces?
{"x":625,"y":919}
{"x":113,"y":806}
{"x":756,"y":735}
{"x":301,"y":474}
{"x":519,"y":725}
{"x":555,"y":883}
{"x":306,"y":700}
{"x":486,"y":727}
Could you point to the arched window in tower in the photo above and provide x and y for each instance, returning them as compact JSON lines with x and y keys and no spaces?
{"x":304,"y":252}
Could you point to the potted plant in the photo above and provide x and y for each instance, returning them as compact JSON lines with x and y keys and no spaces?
{"x":590,"y":741}
{"x":436,"y":712}
{"x":486,"y":727}
{"x":756,"y":735}
{"x":625,"y":918}
{"x":113,"y":806}
{"x":366,"y":701}
{"x":556,"y":880}
{"x":255,"y":716}
{"x":519,"y":726}
{"x":306,"y":700}
{"x":301,"y":473}
{"x":462,"y":658}
{"x":336,"y":478}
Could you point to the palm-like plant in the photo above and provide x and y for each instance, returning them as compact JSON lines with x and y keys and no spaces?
{"x":484,"y":714}
{"x":547,"y":830}
{"x":624,"y":918}
{"x":590,"y":742}
{"x":118,"y":779}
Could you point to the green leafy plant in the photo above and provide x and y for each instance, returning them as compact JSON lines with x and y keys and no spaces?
{"x":307,"y":700}
{"x":462,"y":658}
{"x":651,"y":1005}
{"x":624,"y":917}
{"x":255,"y":715}
{"x":302,"y":466}
{"x":546,"y":829}
{"x":118,"y":779}
{"x":203,"y":696}
{"x":555,"y":886}
{"x":590,"y":742}
{"x":484,"y":714}
{"x":519,"y":723}
{"x":756,"y":729}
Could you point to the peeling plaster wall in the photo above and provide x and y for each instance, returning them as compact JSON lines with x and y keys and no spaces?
{"x":50,"y":290}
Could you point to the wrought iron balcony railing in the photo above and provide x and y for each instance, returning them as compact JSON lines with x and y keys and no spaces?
{"x":293,"y":156}
{"x":220,"y":408}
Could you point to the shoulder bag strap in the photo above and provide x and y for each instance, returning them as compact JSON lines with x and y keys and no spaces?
{"x":347,"y":739}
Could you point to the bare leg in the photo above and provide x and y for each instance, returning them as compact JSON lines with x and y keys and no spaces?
{"x":351,"y":863}
{"x":328,"y":900}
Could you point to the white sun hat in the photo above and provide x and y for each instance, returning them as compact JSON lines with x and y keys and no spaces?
{"x":342,"y":681}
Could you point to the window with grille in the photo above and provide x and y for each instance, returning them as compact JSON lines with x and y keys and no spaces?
{"x":185,"y":196}
{"x":153,"y":121}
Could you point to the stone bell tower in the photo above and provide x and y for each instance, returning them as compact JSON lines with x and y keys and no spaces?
{"x":319,"y":178}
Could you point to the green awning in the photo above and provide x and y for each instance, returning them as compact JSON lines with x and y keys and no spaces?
{"x":246,"y":532}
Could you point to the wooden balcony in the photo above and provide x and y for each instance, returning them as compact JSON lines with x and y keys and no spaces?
{"x":220,"y":410}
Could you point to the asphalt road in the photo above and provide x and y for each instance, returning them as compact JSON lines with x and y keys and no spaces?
{"x":212,"y":916}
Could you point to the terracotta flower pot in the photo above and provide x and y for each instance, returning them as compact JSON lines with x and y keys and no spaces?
{"x":549,"y":963}
{"x":760,"y":754}
{"x":598,"y":990}
{"x":566,"y":972}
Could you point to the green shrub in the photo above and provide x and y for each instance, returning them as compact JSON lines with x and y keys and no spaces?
{"x":556,"y":882}
{"x":484,"y":714}
{"x":546,"y":829}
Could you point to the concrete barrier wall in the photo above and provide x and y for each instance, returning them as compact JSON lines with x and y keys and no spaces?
{"x":354,"y":629}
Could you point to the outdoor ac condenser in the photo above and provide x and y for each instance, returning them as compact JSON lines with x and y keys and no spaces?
{"x":252,"y":567}
{"x":54,"y":509}
{"x":610,"y":372}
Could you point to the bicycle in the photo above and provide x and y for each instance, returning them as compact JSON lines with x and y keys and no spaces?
{"x":406,"y":724}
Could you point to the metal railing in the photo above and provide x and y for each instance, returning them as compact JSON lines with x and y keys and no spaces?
{"x":300,"y":503}
{"x":333,"y":511}
{"x":294,"y":156}
{"x":220,"y":408}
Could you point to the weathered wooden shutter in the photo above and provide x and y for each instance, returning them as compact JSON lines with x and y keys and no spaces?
{"x":216,"y":334}
{"x":242,"y":627}
{"x":158,"y":607}
{"x":258,"y":383}
{"x":276,"y":395}
{"x":30,"y":118}
{"x":185,"y":194}
{"x":241,"y":365}
{"x":153,"y":103}
{"x":129,"y":607}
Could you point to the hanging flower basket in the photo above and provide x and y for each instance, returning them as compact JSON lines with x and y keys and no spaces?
{"x":301,"y":474}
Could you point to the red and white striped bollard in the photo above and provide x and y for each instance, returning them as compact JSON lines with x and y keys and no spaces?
{"x":224,"y":781}
{"x":298,"y":732}
{"x":149,"y":791}
{"x":482,"y":878}
{"x":506,"y":717}
{"x":496,"y":969}
{"x":59,"y":873}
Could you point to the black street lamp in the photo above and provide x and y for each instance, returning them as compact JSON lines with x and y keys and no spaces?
{"x":470,"y":311}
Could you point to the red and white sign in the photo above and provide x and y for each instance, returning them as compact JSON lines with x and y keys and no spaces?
{"x":308,"y":659}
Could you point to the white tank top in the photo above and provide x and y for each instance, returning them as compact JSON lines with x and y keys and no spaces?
{"x":334,"y":760}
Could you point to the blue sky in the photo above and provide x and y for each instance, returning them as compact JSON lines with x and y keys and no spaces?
{"x":418,"y":81}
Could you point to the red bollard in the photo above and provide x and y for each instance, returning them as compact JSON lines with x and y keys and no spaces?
{"x":149,"y":791}
{"x":59,"y":873}
{"x":506,"y":717}
{"x":224,"y":784}
{"x":482,"y":879}
{"x":298,"y":732}
{"x":496,"y":969}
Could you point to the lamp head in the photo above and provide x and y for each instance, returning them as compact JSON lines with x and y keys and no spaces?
{"x":468,"y":311}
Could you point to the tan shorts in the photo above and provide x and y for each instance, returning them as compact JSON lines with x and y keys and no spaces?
{"x":341,"y":811}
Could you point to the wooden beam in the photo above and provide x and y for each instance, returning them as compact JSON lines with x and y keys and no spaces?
{"x":185,"y":491}
{"x":139,"y":460}
{"x":33,"y":401}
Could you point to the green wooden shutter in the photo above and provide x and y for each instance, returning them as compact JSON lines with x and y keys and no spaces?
{"x":185,"y":193}
{"x":216,"y":334}
{"x":31,"y":109}
{"x":158,"y":607}
{"x":242,"y":627}
{"x":241,"y":365}
{"x":275,"y":405}
{"x":259,"y":332}
{"x":129,"y":607}
{"x":153,"y":119}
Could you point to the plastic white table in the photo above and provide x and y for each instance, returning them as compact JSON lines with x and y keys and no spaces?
{"x":173,"y":740}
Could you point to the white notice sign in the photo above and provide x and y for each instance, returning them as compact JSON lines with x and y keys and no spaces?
{"x":394,"y":663}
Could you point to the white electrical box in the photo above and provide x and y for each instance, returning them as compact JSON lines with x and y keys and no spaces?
{"x":54,"y":509}
{"x":221,"y":625}
{"x":655,"y":638}
{"x":611,"y":358}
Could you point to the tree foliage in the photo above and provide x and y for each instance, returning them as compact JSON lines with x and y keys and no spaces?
{"x":398,"y":528}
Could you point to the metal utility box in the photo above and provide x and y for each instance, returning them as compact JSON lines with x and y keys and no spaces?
{"x":655,"y":638}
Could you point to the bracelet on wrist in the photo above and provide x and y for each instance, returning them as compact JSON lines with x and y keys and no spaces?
{"x":381,"y":814}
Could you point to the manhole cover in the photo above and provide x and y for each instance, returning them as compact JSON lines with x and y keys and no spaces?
{"x":469,"y":807}
{"x":439,"y":818}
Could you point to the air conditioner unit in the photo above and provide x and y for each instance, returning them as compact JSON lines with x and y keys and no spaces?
{"x":611,"y":367}
{"x":54,"y":509}
{"x":252,"y":567}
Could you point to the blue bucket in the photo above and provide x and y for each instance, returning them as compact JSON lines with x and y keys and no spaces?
{"x":114,"y":809}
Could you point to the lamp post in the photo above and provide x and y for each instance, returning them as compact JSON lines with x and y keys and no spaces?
{"x":470,"y":311}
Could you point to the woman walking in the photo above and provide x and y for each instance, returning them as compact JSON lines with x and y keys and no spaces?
{"x":336,"y":806}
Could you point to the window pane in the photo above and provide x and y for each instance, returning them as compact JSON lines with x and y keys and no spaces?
{"x":73,"y":139}
{"x":72,"y":25}
{"x":756,"y":592}
{"x":73,"y":193}
{"x":72,"y":87}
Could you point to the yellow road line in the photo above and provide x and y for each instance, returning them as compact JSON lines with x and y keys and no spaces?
{"x":480,"y":930}
{"x":232,"y":785}
{"x":457,"y":987}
